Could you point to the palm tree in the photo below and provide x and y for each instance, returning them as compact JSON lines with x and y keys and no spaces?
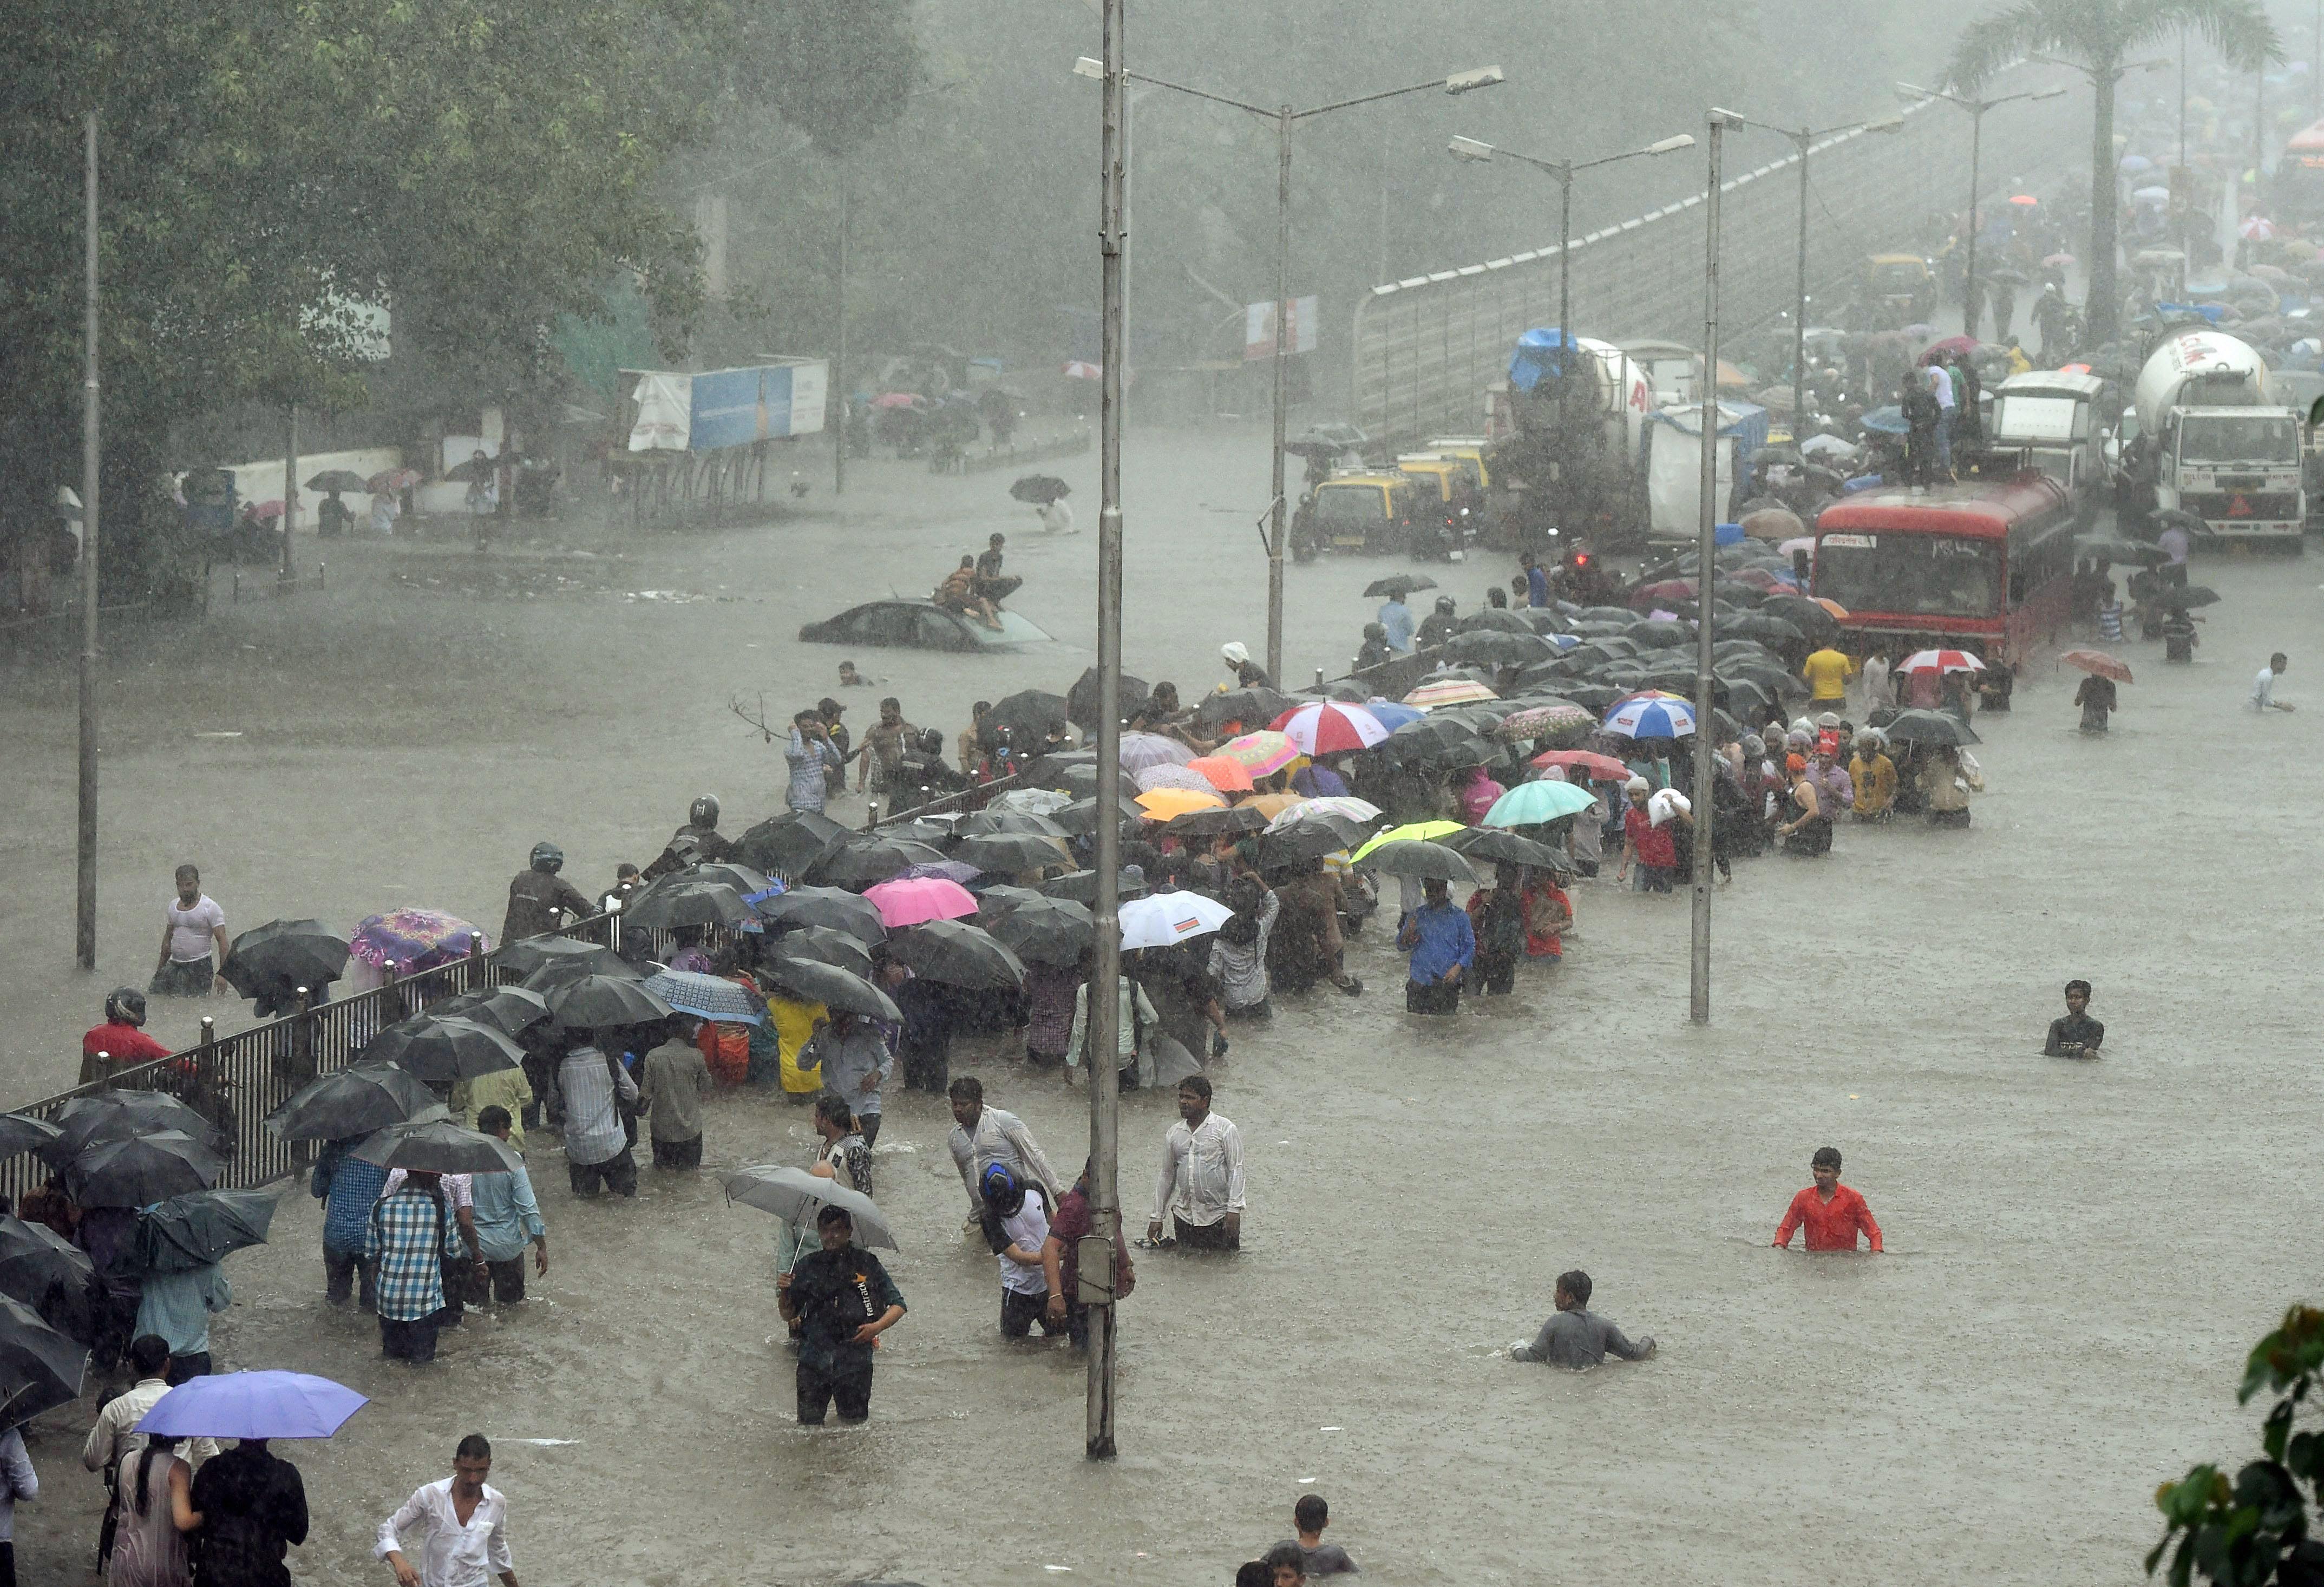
{"x":2095,"y":37}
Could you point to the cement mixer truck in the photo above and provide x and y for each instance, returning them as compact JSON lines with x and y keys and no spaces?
{"x":2214,"y":446}
{"x":1567,"y":445}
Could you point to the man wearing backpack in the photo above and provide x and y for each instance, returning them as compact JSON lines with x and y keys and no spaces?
{"x":842,"y":1300}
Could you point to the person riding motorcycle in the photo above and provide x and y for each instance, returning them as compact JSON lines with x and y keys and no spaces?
{"x":121,"y":1039}
{"x":538,"y":896}
{"x":698,"y":843}
{"x":1439,"y":626}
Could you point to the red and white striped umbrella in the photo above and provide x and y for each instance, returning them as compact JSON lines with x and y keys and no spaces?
{"x":2257,"y":228}
{"x":1327,"y":729}
{"x":1942,"y":661}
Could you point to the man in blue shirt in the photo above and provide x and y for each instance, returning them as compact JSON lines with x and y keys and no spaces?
{"x":1536,"y":581}
{"x":1442,"y":944}
{"x":346,"y":1186}
{"x":1397,"y":618}
{"x":508,"y":1218}
{"x":175,"y":1307}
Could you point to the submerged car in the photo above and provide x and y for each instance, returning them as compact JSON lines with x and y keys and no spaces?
{"x":922,"y":625}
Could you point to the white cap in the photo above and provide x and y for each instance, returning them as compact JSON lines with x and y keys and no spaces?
{"x":1635,"y":784}
{"x":1235,"y":652}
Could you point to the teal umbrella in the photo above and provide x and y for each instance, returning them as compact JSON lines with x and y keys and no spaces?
{"x":1529,"y":804}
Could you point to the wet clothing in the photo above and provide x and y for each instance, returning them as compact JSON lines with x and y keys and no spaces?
{"x":1579,"y":1339}
{"x":446,"y":1553}
{"x":122,"y":1045}
{"x":677,"y":1079}
{"x":1832,"y":1225}
{"x":2070,"y":1030}
{"x":508,"y":1217}
{"x":412,"y":1234}
{"x":1397,"y":618}
{"x":809,"y":759}
{"x":794,"y":1024}
{"x":509,"y":1089}
{"x":998,"y":1137}
{"x":589,"y":1082}
{"x":534,"y":898}
{"x":193,"y":931}
{"x":1827,"y":672}
{"x":148,"y":1549}
{"x":1874,"y":780}
{"x":176,"y":1307}
{"x":254,"y":1508}
{"x":2097,"y":698}
{"x":1651,"y":845}
{"x":1201,"y":1176}
{"x":849,"y":1060}
{"x":1441,"y":939}
{"x":834,"y":1293}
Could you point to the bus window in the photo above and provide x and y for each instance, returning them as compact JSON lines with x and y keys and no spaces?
{"x":1911,"y":575}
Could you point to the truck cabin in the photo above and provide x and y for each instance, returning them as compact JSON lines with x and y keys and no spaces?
{"x":2058,"y":421}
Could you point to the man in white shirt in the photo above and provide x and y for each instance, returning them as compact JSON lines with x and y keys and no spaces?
{"x":111,"y":1441}
{"x":1032,"y":1277}
{"x":2262,"y":695}
{"x":1201,"y":1189}
{"x":462,"y":1525}
{"x":1940,"y":382}
{"x":985,"y":1136}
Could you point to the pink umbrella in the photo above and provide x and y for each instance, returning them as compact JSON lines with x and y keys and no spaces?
{"x":910,"y":901}
{"x":1225,"y":774}
{"x":1264,"y":754}
{"x":1329,"y":729}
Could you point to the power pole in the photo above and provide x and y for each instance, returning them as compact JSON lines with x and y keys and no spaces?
{"x":839,"y":363}
{"x":1706,"y":560}
{"x":85,"y":900}
{"x":1098,"y":1250}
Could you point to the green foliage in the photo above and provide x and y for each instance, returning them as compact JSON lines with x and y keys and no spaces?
{"x":2247,"y":1532}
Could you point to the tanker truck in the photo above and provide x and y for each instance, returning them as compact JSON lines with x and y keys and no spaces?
{"x":2212,"y":443}
{"x":1586,"y":479}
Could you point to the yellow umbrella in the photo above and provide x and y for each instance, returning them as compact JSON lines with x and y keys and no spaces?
{"x":1419,"y":831}
{"x":1274,"y":804}
{"x":1164,"y":803}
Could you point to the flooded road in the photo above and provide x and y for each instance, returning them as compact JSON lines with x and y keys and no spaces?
{"x":2079,"y":1255}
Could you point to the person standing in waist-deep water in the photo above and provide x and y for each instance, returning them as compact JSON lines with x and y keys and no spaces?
{"x":193,"y":929}
{"x":1200,"y":1192}
{"x":1032,"y":1283}
{"x":1575,"y":1336}
{"x":842,"y":1299}
{"x":1832,"y":1212}
{"x":2097,"y":698}
{"x":2262,"y":698}
{"x":462,"y":1525}
{"x":1442,"y":946}
{"x":2076,"y":1035}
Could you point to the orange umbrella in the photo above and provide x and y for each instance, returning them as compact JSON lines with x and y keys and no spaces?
{"x":1274,"y":805}
{"x":1164,"y":803}
{"x":1830,"y":606}
{"x":1222,"y":772}
{"x":2099,"y":662}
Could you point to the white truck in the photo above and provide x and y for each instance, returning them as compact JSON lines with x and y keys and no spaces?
{"x":2059,"y":420}
{"x":2215,"y":446}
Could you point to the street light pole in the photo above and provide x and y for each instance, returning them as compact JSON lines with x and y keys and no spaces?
{"x":1972,"y":300}
{"x":1285,"y":117}
{"x":1097,"y":1254}
{"x":839,"y":362}
{"x":1706,"y":552}
{"x":1563,"y":170}
{"x":84,"y":847}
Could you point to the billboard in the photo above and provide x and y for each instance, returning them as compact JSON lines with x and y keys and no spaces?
{"x":725,"y":408}
{"x":1259,"y":328}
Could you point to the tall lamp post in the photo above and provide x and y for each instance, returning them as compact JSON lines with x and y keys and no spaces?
{"x":1804,"y":139}
{"x":1563,"y":171}
{"x":1706,"y":542}
{"x":1285,"y":118}
{"x":85,"y":846}
{"x":1097,"y":1254}
{"x":1972,"y":302}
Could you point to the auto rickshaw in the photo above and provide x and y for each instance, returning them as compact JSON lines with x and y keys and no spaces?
{"x":1357,"y":511}
{"x":1896,"y":290}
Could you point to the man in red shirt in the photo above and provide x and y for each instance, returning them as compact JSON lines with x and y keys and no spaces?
{"x":1650,"y":845}
{"x":120,"y":1038}
{"x":1830,"y":1210}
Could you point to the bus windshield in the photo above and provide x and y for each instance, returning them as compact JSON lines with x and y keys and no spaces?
{"x":1911,"y":575}
{"x":2238,"y":437}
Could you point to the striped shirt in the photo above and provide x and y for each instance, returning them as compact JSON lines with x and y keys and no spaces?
{"x":411,"y":1233}
{"x":348,"y":1186}
{"x":592,"y":1124}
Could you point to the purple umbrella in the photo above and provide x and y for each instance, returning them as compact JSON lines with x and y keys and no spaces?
{"x":253,"y":1405}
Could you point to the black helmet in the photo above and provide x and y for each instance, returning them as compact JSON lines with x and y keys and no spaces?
{"x":1444,"y":604}
{"x":548,"y":857}
{"x":124,"y":1002}
{"x":703,"y":812}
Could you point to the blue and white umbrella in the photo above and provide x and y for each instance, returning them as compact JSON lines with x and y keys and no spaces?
{"x":708,"y":997}
{"x":1651,"y":717}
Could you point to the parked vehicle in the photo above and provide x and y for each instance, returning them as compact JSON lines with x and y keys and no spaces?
{"x":2216,"y":444}
{"x":1357,"y":511}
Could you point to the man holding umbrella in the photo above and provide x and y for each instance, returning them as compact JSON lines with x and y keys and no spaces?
{"x":1442,"y":944}
{"x":842,"y":1300}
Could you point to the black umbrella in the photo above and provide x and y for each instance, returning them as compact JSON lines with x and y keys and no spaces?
{"x":438,"y":1146}
{"x":1211,"y":823}
{"x":1040,"y":489}
{"x":204,"y":1226}
{"x":1425,"y":739}
{"x":1030,"y":718}
{"x":124,"y":1115}
{"x":809,"y":982}
{"x":1497,"y":648}
{"x":1254,"y":706}
{"x":268,"y":964}
{"x":440,"y":1049}
{"x":2192,"y":595}
{"x":669,"y":903}
{"x":471,"y":469}
{"x":21,"y":1133}
{"x":924,"y":830}
{"x":40,"y":1367}
{"x":1081,"y":700}
{"x":1417,"y":858}
{"x":1081,"y":886}
{"x":1046,"y":931}
{"x":337,"y":479}
{"x":999,"y":898}
{"x":506,"y":1009}
{"x":1002,"y":819}
{"x":596,"y":1000}
{"x":1011,"y":852}
{"x":1661,"y":634}
{"x":956,"y":953}
{"x":530,"y":955}
{"x":1812,"y":620}
{"x":867,"y":858}
{"x":789,"y":842}
{"x":1500,"y":620}
{"x":825,"y":945}
{"x":827,"y":906}
{"x":1399,"y":584}
{"x":745,"y":880}
{"x":1081,"y":815}
{"x":1500,"y":846}
{"x":1929,"y":728}
{"x":50,"y":1274}
{"x":139,"y":1172}
{"x":364,"y":1097}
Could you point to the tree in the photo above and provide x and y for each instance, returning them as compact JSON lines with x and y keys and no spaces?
{"x":2253,"y":1531}
{"x":2098,"y":37}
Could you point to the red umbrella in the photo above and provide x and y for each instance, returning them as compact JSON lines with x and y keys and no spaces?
{"x":263,"y":511}
{"x":1669,"y":589}
{"x":1948,"y":348}
{"x":1604,"y":768}
{"x":1942,"y":661}
{"x":391,"y":479}
{"x":1329,"y":729}
{"x":2025,"y":198}
{"x":2099,"y":662}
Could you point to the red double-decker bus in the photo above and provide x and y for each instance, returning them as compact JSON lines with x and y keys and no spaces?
{"x":1986,"y":566}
